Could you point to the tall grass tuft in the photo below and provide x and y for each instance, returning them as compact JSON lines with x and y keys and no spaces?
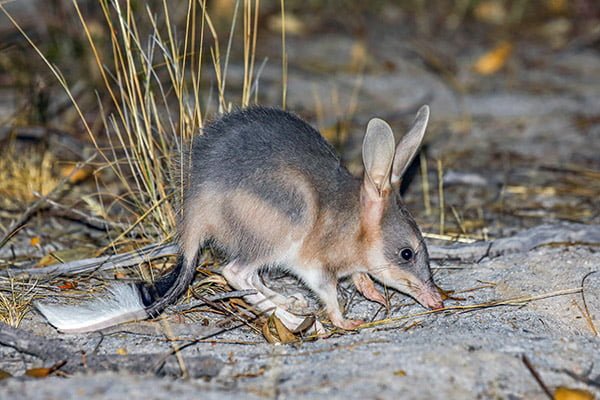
{"x":155,"y":83}
{"x":153,"y":97}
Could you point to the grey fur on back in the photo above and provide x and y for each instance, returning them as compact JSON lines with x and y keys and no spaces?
{"x":265,"y":151}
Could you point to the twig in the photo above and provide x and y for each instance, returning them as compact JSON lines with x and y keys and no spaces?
{"x":588,"y":318}
{"x":213,"y":298}
{"x":97,"y":264}
{"x":76,"y":215}
{"x":536,"y":376}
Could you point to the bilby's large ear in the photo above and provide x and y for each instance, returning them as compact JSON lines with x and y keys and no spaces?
{"x":409,"y":145}
{"x":378,"y":155}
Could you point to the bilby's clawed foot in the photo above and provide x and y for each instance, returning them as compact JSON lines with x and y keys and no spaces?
{"x":348,"y":324}
{"x":367,"y":288}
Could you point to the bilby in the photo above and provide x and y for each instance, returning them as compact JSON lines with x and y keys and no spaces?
{"x":267,"y":188}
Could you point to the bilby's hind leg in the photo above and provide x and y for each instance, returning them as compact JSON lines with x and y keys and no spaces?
{"x":294,"y":302}
{"x":242,"y":277}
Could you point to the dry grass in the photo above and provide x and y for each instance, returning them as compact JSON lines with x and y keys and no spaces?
{"x":24,"y":173}
{"x":15,"y":301}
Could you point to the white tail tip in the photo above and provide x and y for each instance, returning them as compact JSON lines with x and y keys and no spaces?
{"x":122,"y":303}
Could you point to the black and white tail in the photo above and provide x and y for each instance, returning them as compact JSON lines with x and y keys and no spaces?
{"x":122,"y":302}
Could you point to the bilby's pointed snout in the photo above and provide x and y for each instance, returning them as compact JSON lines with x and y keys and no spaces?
{"x":432,"y":300}
{"x":429,"y":296}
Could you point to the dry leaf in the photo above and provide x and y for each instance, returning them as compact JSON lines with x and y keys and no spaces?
{"x":122,"y":351}
{"x":564,"y":393}
{"x":38,"y":372}
{"x":276,"y":332}
{"x":400,"y":372}
{"x":75,"y":175}
{"x":35,"y":241}
{"x":490,"y":11}
{"x":44,"y":372}
{"x":557,"y":6}
{"x":266,"y":331}
{"x":331,"y":133}
{"x":285,"y":335}
{"x":4,"y":374}
{"x":492,"y":61}
{"x":68,"y":285}
{"x":120,"y":275}
{"x":358,"y":56}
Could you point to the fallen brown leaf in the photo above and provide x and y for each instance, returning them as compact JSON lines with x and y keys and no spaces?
{"x":76,"y":174}
{"x":4,"y":374}
{"x":285,"y":335}
{"x":564,"y":393}
{"x":44,"y":372}
{"x":68,"y":285}
{"x":493,"y":61}
{"x":35,"y":241}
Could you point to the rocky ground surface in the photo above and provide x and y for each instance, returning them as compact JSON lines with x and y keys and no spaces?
{"x":523,"y":146}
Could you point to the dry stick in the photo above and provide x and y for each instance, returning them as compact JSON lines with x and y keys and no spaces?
{"x":98,"y":263}
{"x":284,"y":61}
{"x":425,"y":183}
{"x":440,"y":173}
{"x":38,"y":204}
{"x":588,"y":318}
{"x":76,"y":215}
{"x":536,"y":376}
{"x":216,"y":297}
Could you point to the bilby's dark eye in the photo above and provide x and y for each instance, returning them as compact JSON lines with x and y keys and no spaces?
{"x":406,"y":254}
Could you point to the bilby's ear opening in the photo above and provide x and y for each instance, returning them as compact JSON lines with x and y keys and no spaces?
{"x":378,"y":156}
{"x":409,"y":146}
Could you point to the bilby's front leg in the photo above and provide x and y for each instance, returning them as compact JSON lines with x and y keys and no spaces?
{"x":367,"y":288}
{"x":325,"y":286}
